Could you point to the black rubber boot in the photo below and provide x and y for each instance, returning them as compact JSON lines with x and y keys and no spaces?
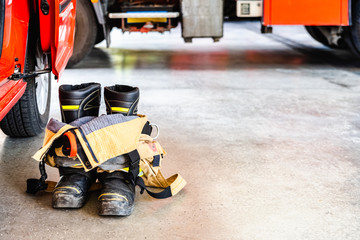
{"x":117,"y":196}
{"x":76,"y":101}
{"x":71,"y":190}
{"x":121,"y":99}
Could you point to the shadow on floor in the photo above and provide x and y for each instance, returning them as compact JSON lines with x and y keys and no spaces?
{"x":126,"y":59}
{"x":97,"y":58}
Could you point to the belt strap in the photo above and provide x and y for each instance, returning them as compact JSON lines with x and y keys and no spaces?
{"x":176,"y":183}
{"x":147,"y":128}
{"x":134,"y":168}
{"x":36,"y":185}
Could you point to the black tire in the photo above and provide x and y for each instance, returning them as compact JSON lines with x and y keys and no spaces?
{"x":317,"y":35}
{"x":99,"y":35}
{"x":352,"y":33}
{"x":30,"y":114}
{"x":85,"y":31}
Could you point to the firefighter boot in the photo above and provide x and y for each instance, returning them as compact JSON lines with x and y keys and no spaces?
{"x":71,"y":190}
{"x":76,"y":101}
{"x":121,"y":99}
{"x":117,"y":195}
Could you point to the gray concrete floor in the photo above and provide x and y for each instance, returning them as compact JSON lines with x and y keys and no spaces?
{"x":264,"y":128}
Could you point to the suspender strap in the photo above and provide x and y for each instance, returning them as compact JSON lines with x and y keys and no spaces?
{"x":133,"y":165}
{"x":71,"y":140}
{"x":36,"y":185}
{"x":175,"y":184}
{"x":159,"y":195}
{"x":147,"y":128}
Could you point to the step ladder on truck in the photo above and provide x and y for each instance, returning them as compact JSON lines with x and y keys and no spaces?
{"x":334,"y":23}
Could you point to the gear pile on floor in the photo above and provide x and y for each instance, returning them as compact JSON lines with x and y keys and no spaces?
{"x":116,"y":149}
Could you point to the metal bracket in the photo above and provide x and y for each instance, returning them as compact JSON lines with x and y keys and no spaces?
{"x":100,"y":15}
{"x":266,"y":29}
{"x":332,"y":34}
{"x":18,"y":76}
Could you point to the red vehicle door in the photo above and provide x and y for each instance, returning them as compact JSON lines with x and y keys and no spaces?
{"x":19,"y":42}
{"x":57,"y":29}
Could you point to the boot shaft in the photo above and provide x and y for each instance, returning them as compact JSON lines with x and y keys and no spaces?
{"x":78,"y":101}
{"x":121,"y":99}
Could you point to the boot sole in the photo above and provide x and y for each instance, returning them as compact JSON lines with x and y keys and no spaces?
{"x":112,"y":208}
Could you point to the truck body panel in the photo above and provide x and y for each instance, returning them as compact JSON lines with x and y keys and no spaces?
{"x":63,"y":29}
{"x":202,"y":18}
{"x":10,"y":93}
{"x":310,"y":12}
{"x":16,"y":23}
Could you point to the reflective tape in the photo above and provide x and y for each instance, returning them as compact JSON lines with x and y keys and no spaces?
{"x":114,"y":194}
{"x":67,"y":187}
{"x":70,"y":107}
{"x":119,"y":109}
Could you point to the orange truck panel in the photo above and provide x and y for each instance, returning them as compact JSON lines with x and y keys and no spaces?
{"x":306,"y":12}
{"x":15,"y":37}
{"x":57,"y":31}
{"x":63,"y":33}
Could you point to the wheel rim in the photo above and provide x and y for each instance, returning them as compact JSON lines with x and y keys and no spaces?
{"x":41,"y":83}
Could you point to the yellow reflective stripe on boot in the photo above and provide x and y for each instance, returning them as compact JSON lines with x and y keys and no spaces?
{"x":68,"y":188}
{"x":120,"y":109}
{"x":70,"y":107}
{"x":115,"y":194}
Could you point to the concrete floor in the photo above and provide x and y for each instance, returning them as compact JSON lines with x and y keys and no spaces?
{"x":264,"y":128}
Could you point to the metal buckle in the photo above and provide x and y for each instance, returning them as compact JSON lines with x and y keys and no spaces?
{"x":157,"y":130}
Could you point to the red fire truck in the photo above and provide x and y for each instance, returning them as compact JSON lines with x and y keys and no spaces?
{"x":36,"y":38}
{"x":334,"y":23}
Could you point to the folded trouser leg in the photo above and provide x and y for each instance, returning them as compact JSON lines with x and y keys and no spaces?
{"x":76,"y":101}
{"x":117,"y":195}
